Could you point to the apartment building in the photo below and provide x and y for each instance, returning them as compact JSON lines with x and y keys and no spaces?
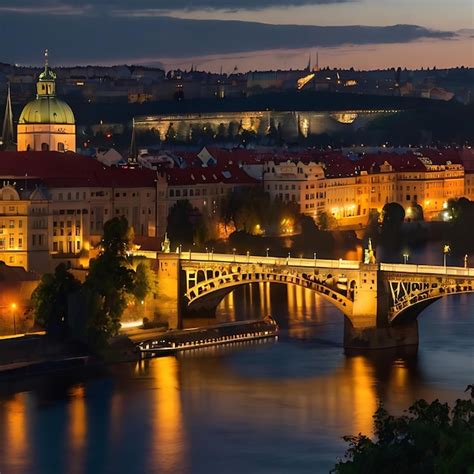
{"x":53,"y":206}
{"x":349,"y":189}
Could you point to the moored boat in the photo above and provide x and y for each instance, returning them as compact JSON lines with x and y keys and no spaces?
{"x":186,"y":339}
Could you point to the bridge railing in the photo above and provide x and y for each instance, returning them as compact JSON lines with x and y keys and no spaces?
{"x":428,"y":269}
{"x":260,"y":260}
{"x":312,"y":263}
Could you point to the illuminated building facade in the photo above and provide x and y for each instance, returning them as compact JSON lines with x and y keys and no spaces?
{"x":46,"y":123}
{"x":53,"y":207}
{"x":350,"y":190}
{"x":206,"y":188}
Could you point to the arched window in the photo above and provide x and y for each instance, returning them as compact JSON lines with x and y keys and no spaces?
{"x":60,"y":146}
{"x":45,"y":147}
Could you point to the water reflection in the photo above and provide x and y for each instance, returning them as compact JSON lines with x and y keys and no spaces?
{"x":13,"y":429}
{"x":77,"y":428}
{"x":266,"y":407}
{"x":167,"y":438}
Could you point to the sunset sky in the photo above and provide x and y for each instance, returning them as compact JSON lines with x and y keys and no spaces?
{"x":226,"y":33}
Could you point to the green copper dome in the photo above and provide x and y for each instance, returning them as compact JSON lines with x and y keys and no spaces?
{"x":45,"y":110}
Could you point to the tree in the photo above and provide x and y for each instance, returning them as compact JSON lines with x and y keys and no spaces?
{"x":416,"y":212}
{"x":325,"y":220}
{"x":431,"y":438}
{"x":50,"y":300}
{"x":393,"y":216}
{"x":183,"y":223}
{"x":143,"y":282}
{"x":170,"y":135}
{"x":108,"y":284}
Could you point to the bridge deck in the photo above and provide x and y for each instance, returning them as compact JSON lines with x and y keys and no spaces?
{"x":296,"y":262}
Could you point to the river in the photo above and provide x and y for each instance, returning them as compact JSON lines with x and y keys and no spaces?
{"x":260,"y":407}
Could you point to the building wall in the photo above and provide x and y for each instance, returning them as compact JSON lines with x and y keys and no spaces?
{"x":56,"y":137}
{"x":39,"y":232}
{"x":350,"y":199}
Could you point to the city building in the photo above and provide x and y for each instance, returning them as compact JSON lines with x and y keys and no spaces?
{"x":46,"y":123}
{"x":349,"y":190}
{"x":53,"y":206}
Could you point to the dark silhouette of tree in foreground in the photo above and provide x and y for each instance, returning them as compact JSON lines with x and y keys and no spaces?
{"x":430,"y":438}
{"x":50,"y":300}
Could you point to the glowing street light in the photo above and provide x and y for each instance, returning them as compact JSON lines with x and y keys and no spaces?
{"x":233,"y":253}
{"x":446,"y":250}
{"x":465,"y":260}
{"x":13,"y":307}
{"x":268,"y":250}
{"x":405,"y":258}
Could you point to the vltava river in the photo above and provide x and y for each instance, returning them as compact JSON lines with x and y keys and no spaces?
{"x":274,"y":407}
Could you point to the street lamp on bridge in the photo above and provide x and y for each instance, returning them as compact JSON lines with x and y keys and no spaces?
{"x":405,"y":258}
{"x":446,"y":250}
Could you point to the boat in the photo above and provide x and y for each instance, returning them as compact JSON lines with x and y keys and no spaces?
{"x":226,"y":333}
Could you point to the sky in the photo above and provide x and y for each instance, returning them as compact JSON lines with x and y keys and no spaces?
{"x":248,"y":34}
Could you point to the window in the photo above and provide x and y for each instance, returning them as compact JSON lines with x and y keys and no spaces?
{"x":11,"y":241}
{"x":60,"y":146}
{"x":44,"y":147}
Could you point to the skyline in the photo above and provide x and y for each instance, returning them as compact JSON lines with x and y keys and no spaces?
{"x":217,"y":33}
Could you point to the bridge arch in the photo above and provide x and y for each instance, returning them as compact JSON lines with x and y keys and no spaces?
{"x":333,"y":288}
{"x":412,"y":305}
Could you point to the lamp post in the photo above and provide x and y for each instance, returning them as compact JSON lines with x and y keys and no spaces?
{"x":13,"y":306}
{"x":233,"y":253}
{"x":446,"y":250}
{"x":314,"y":257}
{"x":212,"y":254}
{"x":207,"y":251}
{"x":405,"y":258}
{"x":465,"y":260}
{"x":248,"y":256}
{"x":268,"y":250}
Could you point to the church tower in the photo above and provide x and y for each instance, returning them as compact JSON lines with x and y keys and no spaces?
{"x":46,"y":123}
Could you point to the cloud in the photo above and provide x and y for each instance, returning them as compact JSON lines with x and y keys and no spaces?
{"x":111,"y":7}
{"x":76,"y":39}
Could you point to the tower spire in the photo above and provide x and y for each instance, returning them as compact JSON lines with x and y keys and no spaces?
{"x":46,"y":58}
{"x":7,"y":129}
{"x":133,"y":157}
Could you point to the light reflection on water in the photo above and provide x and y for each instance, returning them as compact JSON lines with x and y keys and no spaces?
{"x":265,"y":407}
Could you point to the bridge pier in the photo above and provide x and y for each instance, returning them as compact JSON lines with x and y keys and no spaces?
{"x":169,"y":290}
{"x":380,"y":337}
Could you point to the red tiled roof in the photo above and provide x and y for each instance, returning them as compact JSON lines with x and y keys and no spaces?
{"x":71,"y":170}
{"x":227,"y":174}
{"x":399,"y":162}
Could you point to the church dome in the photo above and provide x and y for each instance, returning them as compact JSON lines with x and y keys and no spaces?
{"x":47,"y":110}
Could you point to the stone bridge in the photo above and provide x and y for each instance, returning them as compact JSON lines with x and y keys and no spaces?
{"x":380,"y":301}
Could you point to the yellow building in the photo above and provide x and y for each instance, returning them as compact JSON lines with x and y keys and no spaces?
{"x":349,"y":190}
{"x":46,"y":123}
{"x":53,"y":207}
